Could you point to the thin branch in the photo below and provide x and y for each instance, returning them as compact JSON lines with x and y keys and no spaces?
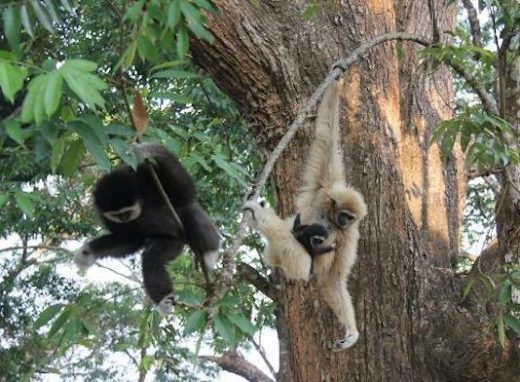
{"x":233,"y":362}
{"x":131,"y":277}
{"x":488,"y":103}
{"x":261,"y":351}
{"x":474,"y":23}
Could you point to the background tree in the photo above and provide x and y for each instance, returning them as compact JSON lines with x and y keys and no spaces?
{"x":68,"y":77}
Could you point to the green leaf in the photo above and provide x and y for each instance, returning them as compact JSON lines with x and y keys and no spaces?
{"x":177,"y":98}
{"x":172,"y":73}
{"x":93,"y":144}
{"x":73,"y":330}
{"x":52,"y":11}
{"x":201,"y":32}
{"x":72,"y":157}
{"x":504,"y":296}
{"x":134,"y":11}
{"x":42,"y":16}
{"x":12,"y":27}
{"x":501,"y":330}
{"x":14,"y":130}
{"x":84,"y":84}
{"x":242,"y":322}
{"x":58,"y":150}
{"x":205,"y":4}
{"x":67,"y":6}
{"x":512,"y":322}
{"x":224,"y":327}
{"x":47,"y":315}
{"x":52,"y":94}
{"x":124,"y":152}
{"x":24,"y":202}
{"x":11,"y":79}
{"x":310,"y":10}
{"x":195,"y":322}
{"x":168,"y":64}
{"x":191,"y":13}
{"x":147,"y":51}
{"x":26,"y":21}
{"x":146,"y":363}
{"x":3,"y":199}
{"x":60,"y":321}
{"x":33,"y":105}
{"x":174,"y":14}
{"x":182,"y":43}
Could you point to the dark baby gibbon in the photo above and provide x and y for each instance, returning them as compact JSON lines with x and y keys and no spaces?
{"x":327,"y":198}
{"x":290,"y":245}
{"x":137,"y":217}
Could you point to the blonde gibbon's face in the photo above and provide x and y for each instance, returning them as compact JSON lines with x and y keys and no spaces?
{"x":344,"y":206}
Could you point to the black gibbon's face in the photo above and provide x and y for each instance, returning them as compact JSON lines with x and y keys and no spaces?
{"x":125,"y":214}
{"x":117,"y":195}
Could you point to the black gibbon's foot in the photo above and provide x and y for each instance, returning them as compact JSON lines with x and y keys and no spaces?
{"x":344,"y":343}
{"x":167,"y":303}
{"x":84,"y":257}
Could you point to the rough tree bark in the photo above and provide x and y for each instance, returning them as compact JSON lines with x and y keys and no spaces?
{"x":269,"y":60}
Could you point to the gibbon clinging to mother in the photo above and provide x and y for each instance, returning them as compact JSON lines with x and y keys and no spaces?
{"x":291,"y":246}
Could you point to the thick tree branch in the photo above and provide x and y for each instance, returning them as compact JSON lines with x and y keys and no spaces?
{"x":474,"y":23}
{"x":234,"y":363}
{"x":249,"y":274}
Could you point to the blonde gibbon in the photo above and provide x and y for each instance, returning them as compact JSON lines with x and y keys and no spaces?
{"x":291,"y":246}
{"x":328,"y":204}
{"x":327,"y":199}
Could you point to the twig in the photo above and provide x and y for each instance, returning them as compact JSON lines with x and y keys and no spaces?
{"x":261,"y":351}
{"x":132,"y":277}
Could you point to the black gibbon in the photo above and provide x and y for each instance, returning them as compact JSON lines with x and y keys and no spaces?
{"x":291,"y":246}
{"x":135,"y":212}
{"x":326,"y":198}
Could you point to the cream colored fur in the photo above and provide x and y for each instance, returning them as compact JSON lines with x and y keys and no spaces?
{"x":324,"y":194}
{"x":282,"y":250}
{"x":325,"y":191}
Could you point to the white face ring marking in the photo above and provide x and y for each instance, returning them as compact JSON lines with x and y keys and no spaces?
{"x":116,"y":216}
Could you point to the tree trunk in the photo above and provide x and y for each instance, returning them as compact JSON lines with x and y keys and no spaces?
{"x":269,"y":59}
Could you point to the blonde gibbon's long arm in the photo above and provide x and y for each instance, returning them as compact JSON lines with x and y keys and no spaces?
{"x":325,"y":163}
{"x":283,"y":250}
{"x":326,"y":198}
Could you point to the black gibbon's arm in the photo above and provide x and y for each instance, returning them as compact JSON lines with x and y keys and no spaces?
{"x":176,"y":181}
{"x":110,"y":245}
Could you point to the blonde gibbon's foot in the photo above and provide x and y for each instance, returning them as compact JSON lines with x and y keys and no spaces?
{"x":166,"y":304}
{"x":84,"y":257}
{"x":344,"y":343}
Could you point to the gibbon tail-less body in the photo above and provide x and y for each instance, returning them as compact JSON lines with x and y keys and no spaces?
{"x":291,"y":246}
{"x":135,"y":212}
{"x":326,"y":198}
